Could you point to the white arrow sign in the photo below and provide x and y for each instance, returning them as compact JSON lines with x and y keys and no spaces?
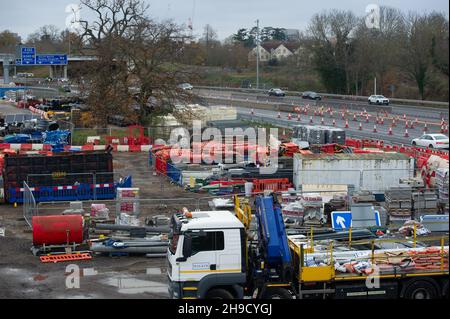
{"x":340,"y":221}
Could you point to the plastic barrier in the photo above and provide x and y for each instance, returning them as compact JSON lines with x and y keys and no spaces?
{"x":276,"y":185}
{"x":173,"y":173}
{"x":161,"y":165}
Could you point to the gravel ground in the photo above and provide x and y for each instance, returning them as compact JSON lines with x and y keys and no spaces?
{"x":22,"y":275}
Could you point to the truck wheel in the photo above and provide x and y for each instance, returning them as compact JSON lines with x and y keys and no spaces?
{"x":420,"y":289}
{"x":219,"y":294}
{"x":445,"y":290}
{"x":277,"y":293}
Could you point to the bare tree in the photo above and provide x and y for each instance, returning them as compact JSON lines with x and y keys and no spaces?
{"x":133,"y":51}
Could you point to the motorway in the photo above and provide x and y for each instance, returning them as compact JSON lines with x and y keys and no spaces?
{"x":424,"y":115}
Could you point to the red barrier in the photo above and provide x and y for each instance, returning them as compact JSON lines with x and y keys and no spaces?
{"x":161,"y":165}
{"x":275,"y":185}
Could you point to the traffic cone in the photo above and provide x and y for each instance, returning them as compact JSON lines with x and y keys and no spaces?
{"x":406,"y":124}
{"x":310,"y":119}
{"x":354,"y":117}
{"x":404,"y":116}
{"x":279,"y":115}
{"x":252,"y":112}
{"x":322,"y":121}
{"x":298,"y":117}
{"x":411,"y":126}
{"x":334,"y":122}
{"x":346,"y":123}
{"x":360,"y":126}
{"x":382,"y":121}
{"x":343,"y":116}
{"x":406,"y":133}
{"x":390,"y":131}
{"x":315,"y":113}
{"x":425,"y":128}
{"x":289,"y":116}
{"x":375,"y":129}
{"x":393,"y":122}
{"x":367,"y":118}
{"x":442,"y":129}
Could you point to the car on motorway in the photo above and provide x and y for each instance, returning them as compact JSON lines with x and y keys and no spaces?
{"x":276,"y":92}
{"x":186,"y":86}
{"x":431,"y":141}
{"x":378,"y":99}
{"x":311,"y":96}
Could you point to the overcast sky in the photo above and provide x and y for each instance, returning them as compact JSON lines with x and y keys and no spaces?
{"x":225,"y":16}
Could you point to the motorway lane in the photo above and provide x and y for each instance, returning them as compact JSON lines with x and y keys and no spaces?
{"x":428,"y":113}
{"x":397,"y":136}
{"x":7,"y":108}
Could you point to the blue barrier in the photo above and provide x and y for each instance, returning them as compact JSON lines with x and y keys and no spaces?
{"x":173,"y":173}
{"x":71,"y":192}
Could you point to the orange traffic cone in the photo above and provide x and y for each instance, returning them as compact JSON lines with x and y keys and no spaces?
{"x":322,"y":121}
{"x":354,"y":117}
{"x":406,"y":133}
{"x":406,"y":124}
{"x":374,"y":128}
{"x":298,"y":117}
{"x":367,"y":118}
{"x":390,"y":131}
{"x":360,"y":126}
{"x":310,"y":119}
{"x":382,"y":121}
{"x":425,"y":128}
{"x":346,"y":123}
{"x":289,"y":116}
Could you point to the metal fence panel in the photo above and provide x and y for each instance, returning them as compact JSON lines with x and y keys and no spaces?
{"x":29,"y":204}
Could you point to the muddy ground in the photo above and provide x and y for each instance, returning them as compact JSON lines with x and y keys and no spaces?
{"x":22,"y":275}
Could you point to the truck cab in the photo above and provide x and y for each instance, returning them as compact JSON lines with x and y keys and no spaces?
{"x":206,"y":256}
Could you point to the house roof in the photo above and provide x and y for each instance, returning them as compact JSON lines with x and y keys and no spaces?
{"x":291,"y":46}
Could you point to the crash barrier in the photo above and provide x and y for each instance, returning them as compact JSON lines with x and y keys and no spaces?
{"x":122,"y":136}
{"x":29,"y":195}
{"x":326,"y":95}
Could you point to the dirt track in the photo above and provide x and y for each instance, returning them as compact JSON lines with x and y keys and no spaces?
{"x":22,"y":275}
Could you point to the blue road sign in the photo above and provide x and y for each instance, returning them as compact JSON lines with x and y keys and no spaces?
{"x":343,"y":220}
{"x":28,"y":56}
{"x":51,"y":59}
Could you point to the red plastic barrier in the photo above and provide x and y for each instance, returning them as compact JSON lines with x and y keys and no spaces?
{"x":161,"y":165}
{"x":276,"y":185}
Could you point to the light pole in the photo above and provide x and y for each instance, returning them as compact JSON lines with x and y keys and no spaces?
{"x":257,"y":54}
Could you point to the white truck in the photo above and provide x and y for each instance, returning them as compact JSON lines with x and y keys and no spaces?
{"x":212,"y":255}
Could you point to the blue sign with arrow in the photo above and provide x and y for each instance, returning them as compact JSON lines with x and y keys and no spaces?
{"x":28,"y":55}
{"x":51,"y":59}
{"x":343,"y":220}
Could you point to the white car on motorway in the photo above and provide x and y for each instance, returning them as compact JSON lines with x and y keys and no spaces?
{"x":378,"y":99}
{"x":186,"y":86}
{"x":431,"y":141}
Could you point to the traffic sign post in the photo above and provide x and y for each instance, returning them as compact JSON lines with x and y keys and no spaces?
{"x":343,"y":220}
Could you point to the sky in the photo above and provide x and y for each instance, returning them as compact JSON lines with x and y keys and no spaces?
{"x":225,"y":16}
